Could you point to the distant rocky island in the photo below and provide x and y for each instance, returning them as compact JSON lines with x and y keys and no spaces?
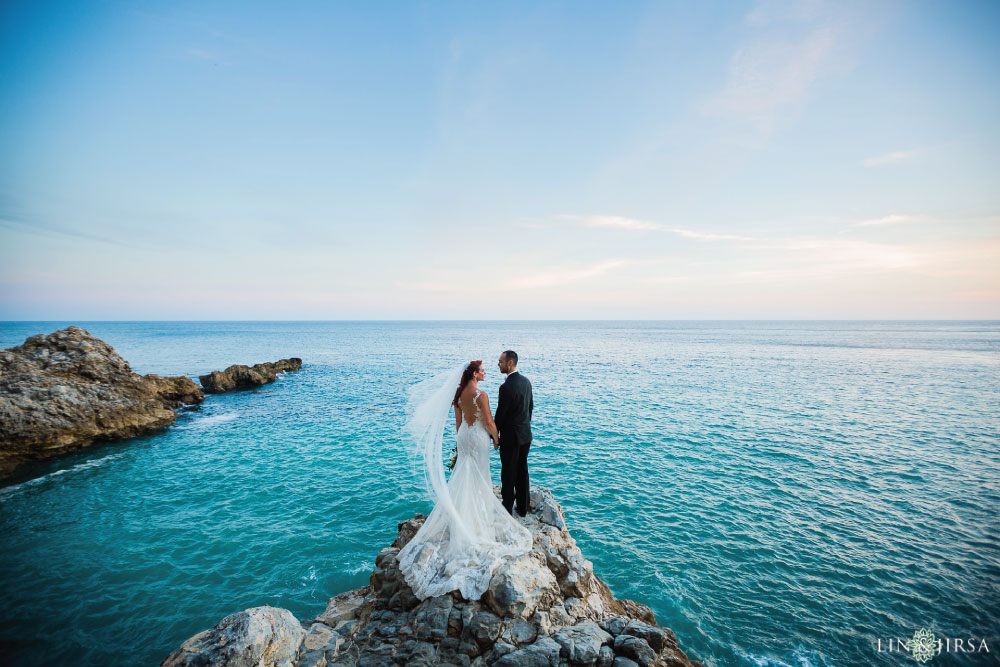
{"x":546,"y":608}
{"x":63,"y":391}
{"x":239,"y":376}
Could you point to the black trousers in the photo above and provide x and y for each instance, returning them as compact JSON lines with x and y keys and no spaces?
{"x":514,"y":476}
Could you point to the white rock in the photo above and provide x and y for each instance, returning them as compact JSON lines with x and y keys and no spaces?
{"x":258,"y":637}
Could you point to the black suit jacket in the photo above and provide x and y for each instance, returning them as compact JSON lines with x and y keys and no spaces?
{"x":514,"y":407}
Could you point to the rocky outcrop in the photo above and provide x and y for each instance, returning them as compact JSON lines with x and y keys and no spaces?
{"x":240,"y":376}
{"x":258,"y":636}
{"x":66,"y":390}
{"x":545,"y":608}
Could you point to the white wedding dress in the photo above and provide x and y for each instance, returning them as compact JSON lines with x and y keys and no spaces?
{"x":469,"y":532}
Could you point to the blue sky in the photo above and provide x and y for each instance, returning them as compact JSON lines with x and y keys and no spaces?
{"x":674,"y":160}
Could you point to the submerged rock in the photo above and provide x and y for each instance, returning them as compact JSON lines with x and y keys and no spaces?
{"x":545,"y":608}
{"x":240,"y":376}
{"x":63,"y":391}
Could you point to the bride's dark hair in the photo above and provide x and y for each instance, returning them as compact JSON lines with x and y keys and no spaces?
{"x":467,"y":374}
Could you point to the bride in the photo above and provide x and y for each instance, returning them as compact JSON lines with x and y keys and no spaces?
{"x":469,"y":532}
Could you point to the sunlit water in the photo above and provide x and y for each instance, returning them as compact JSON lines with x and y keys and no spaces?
{"x":779,"y":493}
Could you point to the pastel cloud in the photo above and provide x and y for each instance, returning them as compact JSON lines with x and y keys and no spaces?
{"x":633,"y":224}
{"x":563,"y":276}
{"x":825,"y":254}
{"x":892,"y":219}
{"x":766,"y":75}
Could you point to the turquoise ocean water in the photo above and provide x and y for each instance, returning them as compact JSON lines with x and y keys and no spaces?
{"x":780,"y":493}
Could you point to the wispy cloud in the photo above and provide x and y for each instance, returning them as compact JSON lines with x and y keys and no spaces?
{"x":786,"y":51}
{"x":614,"y":221}
{"x":890,"y":158}
{"x":701,"y":236}
{"x":52,"y":231}
{"x":563,"y":276}
{"x":767,"y":75}
{"x":890,"y":220}
{"x":633,"y":224}
{"x":826,"y":255}
{"x":844,"y":254}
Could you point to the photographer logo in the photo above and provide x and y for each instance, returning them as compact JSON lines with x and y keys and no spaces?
{"x":924,"y":645}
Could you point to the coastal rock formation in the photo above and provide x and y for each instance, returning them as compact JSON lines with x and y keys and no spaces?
{"x":240,"y":376}
{"x":65,"y":390}
{"x":545,"y":608}
{"x":258,"y":636}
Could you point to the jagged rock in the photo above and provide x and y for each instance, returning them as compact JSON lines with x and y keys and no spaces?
{"x":430,"y":619}
{"x":612,"y":624}
{"x":581,"y":643}
{"x":542,"y":653}
{"x":619,"y":661}
{"x":318,"y":637}
{"x":240,"y":376}
{"x":635,"y":648}
{"x":313,"y":659}
{"x":522,"y":632}
{"x":258,"y":637}
{"x":343,"y":607}
{"x":453,"y":651}
{"x":407,"y":529}
{"x":541,"y":620}
{"x":174,"y":391}
{"x":548,"y":510}
{"x":63,"y":391}
{"x":485,"y":628}
{"x":412,"y":652}
{"x":658,"y":638}
{"x":527,"y":617}
{"x":500,"y":649}
{"x":520,"y":586}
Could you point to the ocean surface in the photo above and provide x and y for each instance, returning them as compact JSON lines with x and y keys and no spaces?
{"x":780,"y":493}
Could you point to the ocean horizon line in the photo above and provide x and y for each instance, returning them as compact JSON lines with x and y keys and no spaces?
{"x":515,"y":320}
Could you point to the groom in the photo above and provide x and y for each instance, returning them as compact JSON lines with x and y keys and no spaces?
{"x":513,"y":420}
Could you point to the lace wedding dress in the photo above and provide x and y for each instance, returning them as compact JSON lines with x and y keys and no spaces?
{"x":469,"y":532}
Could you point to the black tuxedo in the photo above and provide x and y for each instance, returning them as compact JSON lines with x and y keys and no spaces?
{"x":515,"y":404}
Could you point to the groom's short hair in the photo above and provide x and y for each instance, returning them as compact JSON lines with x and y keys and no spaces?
{"x":510,"y":355}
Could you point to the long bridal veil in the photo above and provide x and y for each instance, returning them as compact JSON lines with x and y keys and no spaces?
{"x":469,"y":532}
{"x":426,"y":414}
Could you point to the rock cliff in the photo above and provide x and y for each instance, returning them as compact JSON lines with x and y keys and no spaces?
{"x":546,"y":608}
{"x":67,"y":389}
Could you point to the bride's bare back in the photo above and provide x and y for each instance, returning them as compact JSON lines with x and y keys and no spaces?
{"x":472,"y":403}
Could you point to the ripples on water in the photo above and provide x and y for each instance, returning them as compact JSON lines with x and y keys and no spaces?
{"x":779,"y":493}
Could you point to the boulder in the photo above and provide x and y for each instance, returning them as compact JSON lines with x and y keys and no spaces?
{"x":520,"y":586}
{"x":343,"y":607}
{"x":542,"y":653}
{"x":581,"y":644}
{"x":636,"y":649}
{"x":258,"y":637}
